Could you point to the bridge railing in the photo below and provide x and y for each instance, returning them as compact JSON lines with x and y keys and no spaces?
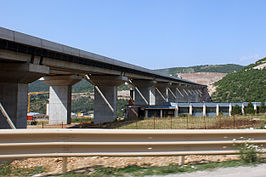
{"x":20,"y":143}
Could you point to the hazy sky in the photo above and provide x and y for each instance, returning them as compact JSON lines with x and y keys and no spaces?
{"x":150,"y":33}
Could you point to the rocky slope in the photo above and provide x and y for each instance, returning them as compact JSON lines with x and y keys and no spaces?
{"x":206,"y":78}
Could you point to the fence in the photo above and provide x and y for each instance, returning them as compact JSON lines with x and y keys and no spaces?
{"x":189,"y":122}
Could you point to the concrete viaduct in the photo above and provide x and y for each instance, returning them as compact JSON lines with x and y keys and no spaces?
{"x":24,"y":59}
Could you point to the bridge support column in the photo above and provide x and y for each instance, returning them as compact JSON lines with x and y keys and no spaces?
{"x":161,"y":95}
{"x":217,"y":110}
{"x":204,"y":96}
{"x":162,"y":92}
{"x":60,"y":97}
{"x":14,"y":98}
{"x":172,"y":94}
{"x":176,"y":110}
{"x":105,"y":97}
{"x":190,"y":95}
{"x":144,"y":92}
{"x":190,"y":110}
{"x":14,"y":79}
{"x":230,"y":109}
{"x":197,"y":95}
{"x":180,"y":95}
{"x":204,"y":110}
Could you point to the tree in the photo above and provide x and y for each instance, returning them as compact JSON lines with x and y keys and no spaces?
{"x":249,"y":109}
{"x":236,"y":110}
{"x":262,"y":108}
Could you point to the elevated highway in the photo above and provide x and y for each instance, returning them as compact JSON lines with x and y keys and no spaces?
{"x":24,"y":59}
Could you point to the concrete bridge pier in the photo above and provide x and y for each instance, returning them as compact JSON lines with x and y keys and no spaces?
{"x":204,"y":96}
{"x":14,"y":79}
{"x":105,"y":97}
{"x":190,"y":94}
{"x":14,"y":98}
{"x":161,"y":93}
{"x":193,"y":94}
{"x":60,"y":97}
{"x":172,"y":95}
{"x":144,"y":92}
{"x":197,"y":95}
{"x":181,"y":96}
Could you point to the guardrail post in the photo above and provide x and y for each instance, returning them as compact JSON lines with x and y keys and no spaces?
{"x":181,"y":160}
{"x":64,"y":165}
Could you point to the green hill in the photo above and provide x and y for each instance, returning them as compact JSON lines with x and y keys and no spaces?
{"x":257,"y":63}
{"x":242,"y":86}
{"x":228,"y":68}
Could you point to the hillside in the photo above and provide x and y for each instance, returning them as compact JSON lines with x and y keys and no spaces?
{"x":260,"y":64}
{"x":206,"y":78}
{"x":228,"y":68}
{"x":245,"y":85}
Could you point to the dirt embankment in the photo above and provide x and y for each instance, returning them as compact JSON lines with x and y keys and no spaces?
{"x":54,"y":165}
{"x":206,"y":78}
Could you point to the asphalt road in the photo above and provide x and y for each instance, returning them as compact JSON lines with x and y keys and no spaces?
{"x":248,"y":171}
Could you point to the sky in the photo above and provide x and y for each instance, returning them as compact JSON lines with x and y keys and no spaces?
{"x":150,"y":33}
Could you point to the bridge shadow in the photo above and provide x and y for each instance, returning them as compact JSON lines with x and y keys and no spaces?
{"x":108,"y":125}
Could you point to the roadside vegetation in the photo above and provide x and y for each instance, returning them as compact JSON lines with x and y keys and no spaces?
{"x":146,"y":169}
{"x":132,"y":170}
{"x":188,"y":122}
{"x":8,"y":170}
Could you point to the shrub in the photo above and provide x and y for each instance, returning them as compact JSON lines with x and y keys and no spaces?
{"x":183,"y":115}
{"x":249,"y":109}
{"x":236,"y":110}
{"x":249,"y":152}
{"x":262,"y":108}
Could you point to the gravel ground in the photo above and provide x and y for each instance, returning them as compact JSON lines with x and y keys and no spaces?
{"x":256,"y":171}
{"x":54,"y":165}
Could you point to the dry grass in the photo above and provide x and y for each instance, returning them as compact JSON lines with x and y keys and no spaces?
{"x":220,"y":122}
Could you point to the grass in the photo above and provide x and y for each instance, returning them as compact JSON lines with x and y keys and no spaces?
{"x":134,"y":170}
{"x":8,"y":170}
{"x":80,"y":120}
{"x":189,"y":122}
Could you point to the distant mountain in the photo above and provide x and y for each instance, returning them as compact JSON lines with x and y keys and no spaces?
{"x":38,"y":86}
{"x":245,"y":85}
{"x":227,"y":68}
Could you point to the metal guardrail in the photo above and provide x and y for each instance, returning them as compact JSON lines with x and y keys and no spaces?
{"x":105,"y":142}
